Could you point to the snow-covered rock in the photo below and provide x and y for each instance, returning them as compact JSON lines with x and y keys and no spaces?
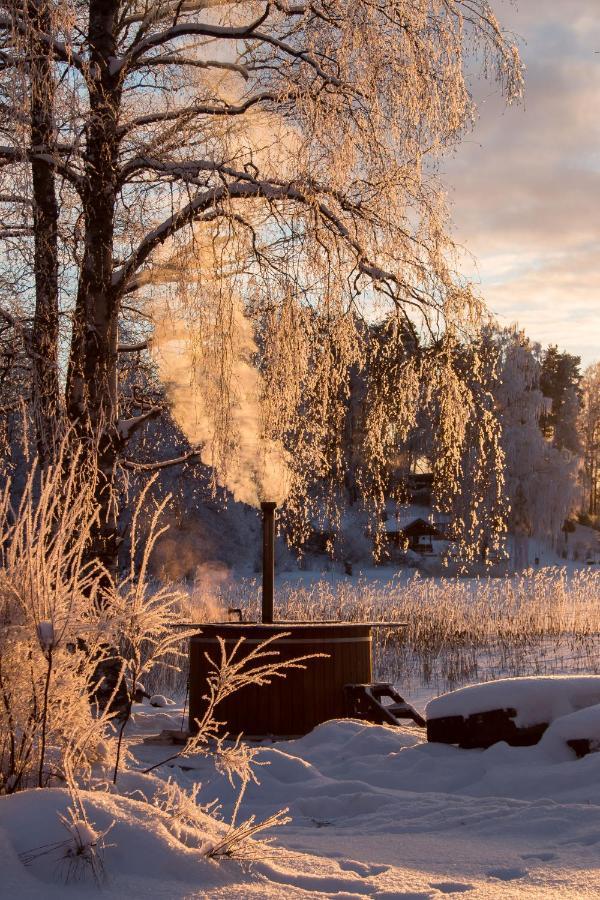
{"x":160,"y":700}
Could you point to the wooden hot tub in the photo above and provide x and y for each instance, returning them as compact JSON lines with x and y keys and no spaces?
{"x":305,"y":697}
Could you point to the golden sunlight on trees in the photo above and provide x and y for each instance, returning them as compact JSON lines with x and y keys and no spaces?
{"x":297,"y":138}
{"x":590,"y":439}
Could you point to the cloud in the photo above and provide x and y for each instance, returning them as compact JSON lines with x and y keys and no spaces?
{"x":525,"y":185}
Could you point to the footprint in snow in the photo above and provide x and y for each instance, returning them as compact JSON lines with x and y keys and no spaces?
{"x":451,"y":887}
{"x":508,"y":873}
{"x":543,"y":855}
{"x":362,"y":869}
{"x":403,"y":895}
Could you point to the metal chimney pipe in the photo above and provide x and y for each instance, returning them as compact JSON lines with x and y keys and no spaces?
{"x":268,"y":560}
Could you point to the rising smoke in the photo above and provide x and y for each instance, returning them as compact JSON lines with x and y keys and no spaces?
{"x":215,"y":394}
{"x":205,"y":347}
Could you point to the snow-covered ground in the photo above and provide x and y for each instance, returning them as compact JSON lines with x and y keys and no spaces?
{"x":398,"y":817}
{"x":376,"y":812}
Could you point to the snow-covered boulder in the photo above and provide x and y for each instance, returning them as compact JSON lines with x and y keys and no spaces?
{"x":159,"y":700}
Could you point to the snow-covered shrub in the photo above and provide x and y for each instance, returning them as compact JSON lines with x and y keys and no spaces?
{"x":196,"y":825}
{"x":160,"y":700}
{"x":52,"y":632}
{"x":190,"y":821}
{"x":239,"y":840}
{"x":61,"y":617}
{"x":82,"y":853}
{"x":143,"y":618}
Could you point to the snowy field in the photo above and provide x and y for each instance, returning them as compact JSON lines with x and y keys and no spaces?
{"x":396,"y":817}
{"x":375,"y":811}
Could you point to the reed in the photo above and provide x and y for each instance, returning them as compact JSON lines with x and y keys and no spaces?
{"x":544,"y":621}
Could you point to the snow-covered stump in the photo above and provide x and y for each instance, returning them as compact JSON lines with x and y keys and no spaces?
{"x":515,"y":710}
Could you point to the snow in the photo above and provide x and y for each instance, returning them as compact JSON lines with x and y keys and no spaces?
{"x":140,"y":858}
{"x":399,"y":817}
{"x":581,"y":725}
{"x":160,"y":700}
{"x":376,"y":812}
{"x":536,"y":698}
{"x":45,"y":632}
{"x":83,"y":833}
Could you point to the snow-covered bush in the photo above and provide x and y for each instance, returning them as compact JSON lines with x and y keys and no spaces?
{"x":52,"y":631}
{"x":142,"y":618}
{"x":62,"y":617}
{"x":82,"y":852}
{"x":197,"y":825}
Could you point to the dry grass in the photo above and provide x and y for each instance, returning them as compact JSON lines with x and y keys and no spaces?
{"x":458,"y":629}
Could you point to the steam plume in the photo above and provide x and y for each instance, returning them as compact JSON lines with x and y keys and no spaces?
{"x":217,"y":404}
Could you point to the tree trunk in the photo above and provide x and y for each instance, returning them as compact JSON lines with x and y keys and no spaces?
{"x":44,"y":337}
{"x":92,"y":378}
{"x":92,"y":395}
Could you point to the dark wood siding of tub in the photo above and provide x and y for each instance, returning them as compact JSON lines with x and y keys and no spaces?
{"x":292,"y":705}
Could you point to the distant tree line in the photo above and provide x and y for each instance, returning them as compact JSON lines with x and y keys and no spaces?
{"x":543,"y":459}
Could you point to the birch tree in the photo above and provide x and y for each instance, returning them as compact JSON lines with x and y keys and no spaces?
{"x":589,"y":429}
{"x":540,"y":478}
{"x":299,"y":138}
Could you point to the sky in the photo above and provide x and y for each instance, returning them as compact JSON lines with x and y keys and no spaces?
{"x":524,"y":186}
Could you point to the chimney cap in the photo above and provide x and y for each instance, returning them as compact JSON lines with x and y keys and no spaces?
{"x":268,"y":505}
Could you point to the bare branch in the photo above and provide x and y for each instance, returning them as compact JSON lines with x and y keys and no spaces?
{"x":132,"y":348}
{"x":175,"y":59}
{"x":15,"y":198}
{"x":8,"y":317}
{"x":128,"y":427}
{"x":12,"y":155}
{"x":199,"y":109}
{"x":162,"y":464}
{"x":17,"y":231}
{"x":233,"y":33}
{"x":272,"y":192}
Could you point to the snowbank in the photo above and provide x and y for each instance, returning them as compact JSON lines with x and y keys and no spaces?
{"x":377,"y":812}
{"x":583,"y":725}
{"x":536,"y":698}
{"x":420,"y":820}
{"x":142,"y":850}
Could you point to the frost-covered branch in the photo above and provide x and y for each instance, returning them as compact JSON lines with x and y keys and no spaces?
{"x":128,"y":427}
{"x":161,"y":464}
{"x":188,"y":113}
{"x":133,"y":348}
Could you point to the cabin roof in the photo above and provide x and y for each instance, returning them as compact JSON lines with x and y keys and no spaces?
{"x":419,"y":527}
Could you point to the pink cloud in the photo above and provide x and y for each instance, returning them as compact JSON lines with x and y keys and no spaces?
{"x":525,"y":185}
